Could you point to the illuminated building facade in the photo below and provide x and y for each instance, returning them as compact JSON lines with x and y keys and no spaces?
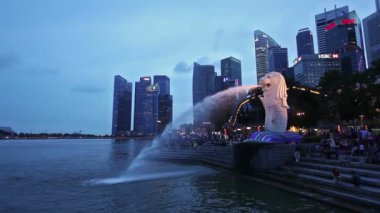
{"x":122,"y":106}
{"x":344,"y":36}
{"x":165,"y":112}
{"x":305,"y":42}
{"x":150,"y":107}
{"x":308,"y":69}
{"x":371,"y":25}
{"x":231,"y":69}
{"x":262,"y":43}
{"x":146,"y":106}
{"x":322,"y":20}
{"x":165,"y":105}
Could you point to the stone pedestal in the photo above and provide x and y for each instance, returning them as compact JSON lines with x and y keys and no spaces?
{"x":262,"y":157}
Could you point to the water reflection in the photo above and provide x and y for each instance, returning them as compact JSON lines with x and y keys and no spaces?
{"x":50,"y":181}
{"x":122,"y":152}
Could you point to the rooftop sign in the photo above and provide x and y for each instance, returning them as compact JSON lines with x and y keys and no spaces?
{"x":328,"y":56}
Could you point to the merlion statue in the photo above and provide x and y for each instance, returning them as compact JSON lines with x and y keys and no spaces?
{"x":275,"y":102}
{"x":276,"y":112}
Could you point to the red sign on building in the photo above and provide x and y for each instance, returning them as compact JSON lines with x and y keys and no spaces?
{"x":330,"y":26}
{"x":348,"y":21}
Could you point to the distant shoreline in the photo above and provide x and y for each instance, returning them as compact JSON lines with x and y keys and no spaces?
{"x":77,"y":138}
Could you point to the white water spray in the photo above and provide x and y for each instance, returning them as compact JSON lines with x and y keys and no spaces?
{"x":141,"y":168}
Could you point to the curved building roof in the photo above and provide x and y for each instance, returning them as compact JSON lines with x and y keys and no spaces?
{"x":262,"y":43}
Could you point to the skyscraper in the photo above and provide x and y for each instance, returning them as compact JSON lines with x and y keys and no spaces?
{"x":371,"y":25}
{"x":231,"y":69}
{"x":164,"y":82}
{"x":262,"y":43}
{"x":344,"y":36}
{"x":165,"y":112}
{"x":140,"y":92}
{"x":322,"y":20}
{"x":122,"y":105}
{"x":203,"y":86}
{"x":165,"y":105}
{"x":278,"y":59}
{"x":218,"y":84}
{"x":305,"y":43}
{"x":149,"y":110}
{"x":309,"y":68}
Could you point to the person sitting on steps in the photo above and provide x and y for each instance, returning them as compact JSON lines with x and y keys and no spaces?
{"x":336,"y":175}
{"x":356,"y":180}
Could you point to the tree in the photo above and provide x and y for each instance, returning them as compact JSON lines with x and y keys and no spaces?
{"x":347,"y":97}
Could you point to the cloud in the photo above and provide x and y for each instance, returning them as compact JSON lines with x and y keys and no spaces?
{"x":40,"y":71}
{"x":88,"y":89}
{"x":182,"y":67}
{"x":14,"y":63}
{"x":8,"y":61}
{"x":203,"y":60}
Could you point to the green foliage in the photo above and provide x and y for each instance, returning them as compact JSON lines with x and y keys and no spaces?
{"x":302,"y":102}
{"x":347,"y":97}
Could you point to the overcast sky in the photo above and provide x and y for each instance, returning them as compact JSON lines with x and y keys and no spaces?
{"x":58,"y":58}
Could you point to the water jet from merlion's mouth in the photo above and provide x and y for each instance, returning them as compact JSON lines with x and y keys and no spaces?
{"x":141,"y":168}
{"x":220,"y":100}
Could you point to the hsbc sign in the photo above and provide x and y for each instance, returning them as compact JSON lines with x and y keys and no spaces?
{"x":328,"y":56}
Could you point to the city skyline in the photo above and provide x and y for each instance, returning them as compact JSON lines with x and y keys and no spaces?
{"x":57,"y":66}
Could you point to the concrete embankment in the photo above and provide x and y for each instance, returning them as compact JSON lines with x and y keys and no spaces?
{"x":215,"y":155}
{"x":241,"y":156}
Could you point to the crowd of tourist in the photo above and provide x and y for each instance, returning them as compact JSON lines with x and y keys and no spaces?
{"x":351,"y":144}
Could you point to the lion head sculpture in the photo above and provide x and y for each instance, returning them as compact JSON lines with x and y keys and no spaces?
{"x":274,"y":101}
{"x":274,"y":89}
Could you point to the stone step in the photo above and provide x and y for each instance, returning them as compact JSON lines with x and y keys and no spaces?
{"x":372,"y":167}
{"x":365,"y":204}
{"x":342,"y":169}
{"x":340,"y":156}
{"x":373,"y":192}
{"x":374,"y":182}
{"x":353,"y":198}
{"x":319,"y":186}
